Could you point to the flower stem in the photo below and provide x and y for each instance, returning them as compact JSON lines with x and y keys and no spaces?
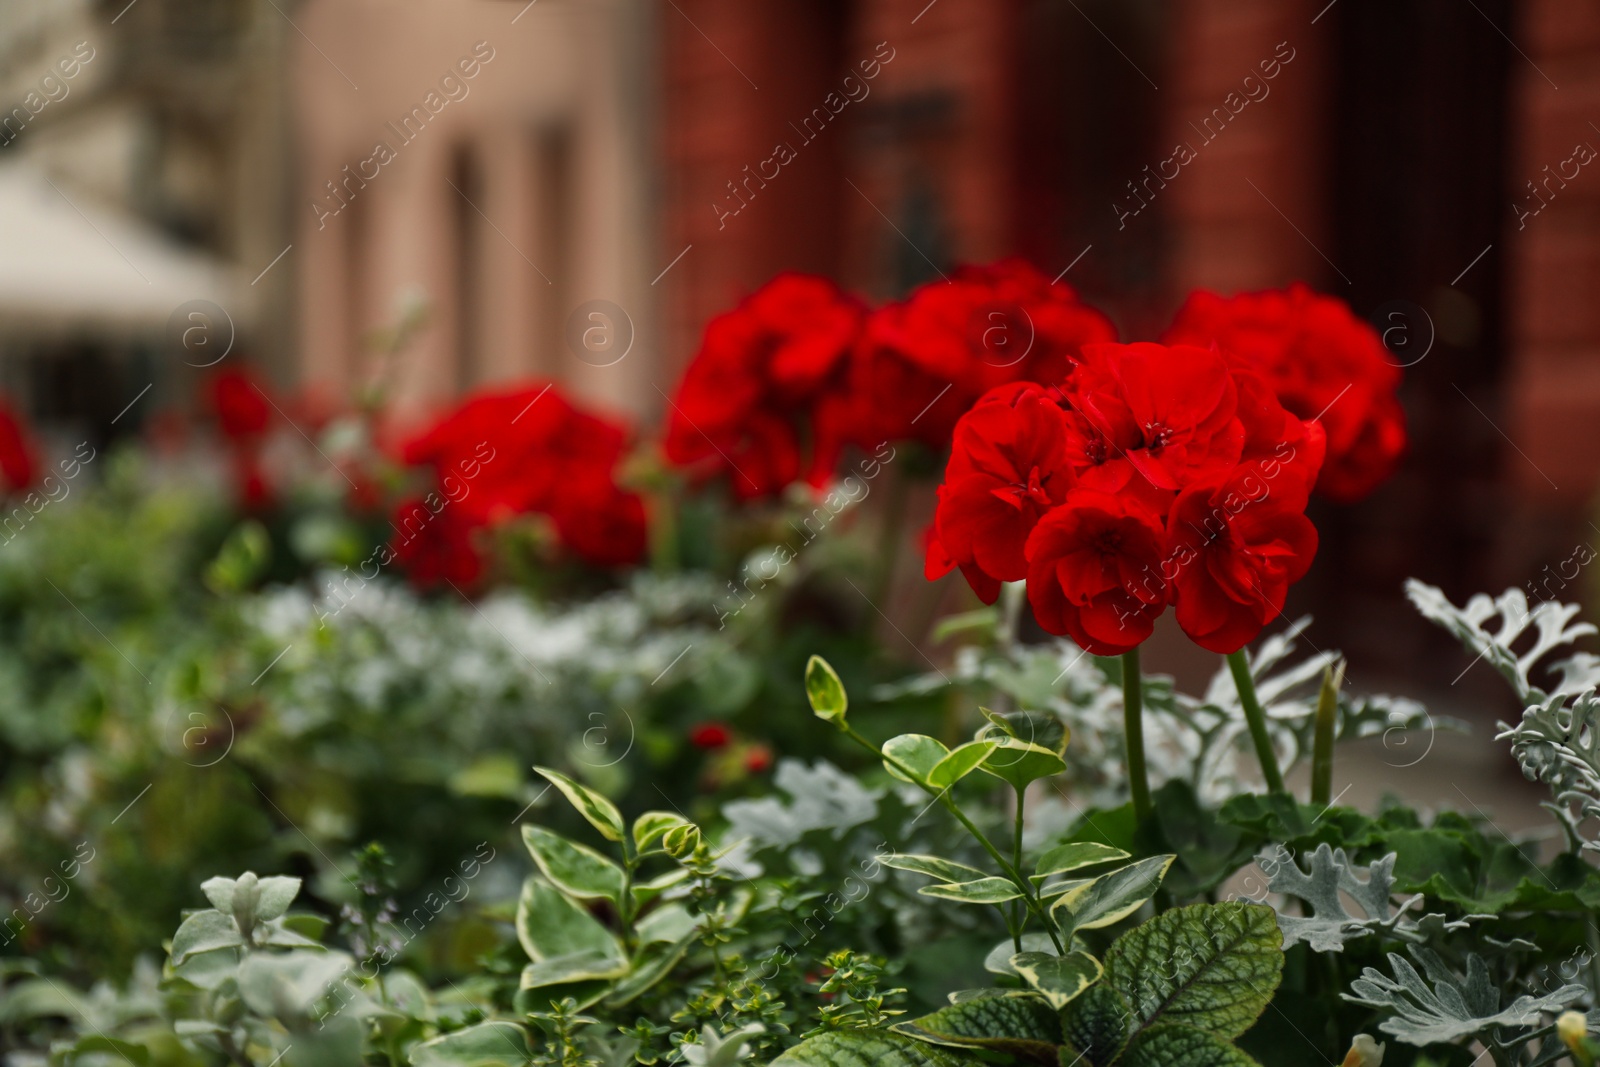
{"x":1322,"y":747}
{"x":1256,"y":718}
{"x":1133,"y":729}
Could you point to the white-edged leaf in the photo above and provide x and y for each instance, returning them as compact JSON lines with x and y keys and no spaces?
{"x":1059,"y":979}
{"x":601,"y":813}
{"x":1091,"y":903}
{"x":575,"y":869}
{"x":978,"y":891}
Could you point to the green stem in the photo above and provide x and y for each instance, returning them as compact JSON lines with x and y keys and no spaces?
{"x":625,"y":909}
{"x":889,"y":538}
{"x":1133,"y":730}
{"x":1016,"y":853}
{"x":1029,"y":896}
{"x":1322,"y":747}
{"x":1256,"y":718}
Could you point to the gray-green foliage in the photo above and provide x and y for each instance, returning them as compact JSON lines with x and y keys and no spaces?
{"x":1330,"y":877}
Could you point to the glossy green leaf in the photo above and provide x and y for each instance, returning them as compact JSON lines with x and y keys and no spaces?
{"x":978,"y":891}
{"x":648,"y":828}
{"x":490,"y":1044}
{"x":998,"y":961}
{"x":825,"y":691}
{"x":933,"y":866}
{"x":1023,"y":1025}
{"x":1074,"y":856}
{"x":918,"y":753}
{"x":872,"y":1048}
{"x":1058,"y":978}
{"x":601,"y":813}
{"x":573,"y":967}
{"x":575,"y":869}
{"x":204,"y":931}
{"x":1019,"y":763}
{"x":1092,"y":903}
{"x":1209,"y":966}
{"x":551,"y":924}
{"x":1172,"y":1043}
{"x":1040,"y":728}
{"x":959,"y":763}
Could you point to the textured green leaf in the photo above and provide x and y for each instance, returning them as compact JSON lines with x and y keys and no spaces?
{"x":1173,"y":1044}
{"x":1058,"y":978}
{"x":601,"y":813}
{"x":979,"y":891}
{"x":1018,"y":1024}
{"x":961,"y":762}
{"x":1210,"y":966}
{"x":490,"y":1044}
{"x":575,"y":869}
{"x":1074,"y":856}
{"x":204,"y":931}
{"x":933,"y":866}
{"x":550,"y":924}
{"x":918,"y":753}
{"x":1096,"y":1024}
{"x":1018,"y":762}
{"x":1093,"y":903}
{"x":825,"y":691}
{"x":872,"y":1048}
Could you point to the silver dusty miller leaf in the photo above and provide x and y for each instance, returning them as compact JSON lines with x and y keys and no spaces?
{"x":1331,"y":873}
{"x":1558,"y":743}
{"x":1511,"y":617}
{"x":1446,"y":1007}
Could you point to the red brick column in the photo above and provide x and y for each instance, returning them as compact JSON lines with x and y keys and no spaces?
{"x":1224,"y":233}
{"x":1554,"y":253}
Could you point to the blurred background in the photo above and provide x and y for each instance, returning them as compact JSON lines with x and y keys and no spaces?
{"x":279,"y":178}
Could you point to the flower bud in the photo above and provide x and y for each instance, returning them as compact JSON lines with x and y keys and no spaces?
{"x":1572,"y":1028}
{"x":1364,"y":1052}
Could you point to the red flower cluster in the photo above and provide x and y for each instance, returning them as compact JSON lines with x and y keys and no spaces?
{"x":243,"y":413}
{"x":527,"y":451}
{"x":17,"y":463}
{"x":767,"y":385}
{"x":1324,"y":364}
{"x":799,"y":370}
{"x":1152,"y":475}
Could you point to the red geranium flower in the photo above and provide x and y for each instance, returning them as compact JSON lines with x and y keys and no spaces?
{"x":1094,"y":571}
{"x":436,"y":546}
{"x":710,"y":735}
{"x":764,"y":397}
{"x":923,"y":362}
{"x":1323,"y":363}
{"x":16,"y":452}
{"x":240,"y":404}
{"x":530,"y":451}
{"x":1235,"y":545}
{"x":1007,"y":467}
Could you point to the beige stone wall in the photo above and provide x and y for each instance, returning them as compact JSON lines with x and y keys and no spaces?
{"x":515,"y":195}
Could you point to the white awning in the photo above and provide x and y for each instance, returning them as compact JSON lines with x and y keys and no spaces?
{"x":69,"y":265}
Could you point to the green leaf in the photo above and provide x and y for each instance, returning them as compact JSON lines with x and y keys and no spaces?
{"x":918,"y":753}
{"x":1092,"y":903}
{"x":825,"y":692}
{"x":1174,"y":1043}
{"x":1059,"y":978}
{"x":979,"y":891}
{"x":573,"y":967}
{"x":1019,"y":763}
{"x":980,"y":623}
{"x":204,"y":931}
{"x":959,"y":763}
{"x":136,"y":1054}
{"x":286,"y":985}
{"x":871,"y":1048}
{"x":655,"y":963}
{"x":574,"y":869}
{"x":933,"y":866}
{"x":601,"y":813}
{"x":1074,"y":856}
{"x":551,"y":924}
{"x":489,"y":1044}
{"x":649,"y":827}
{"x":1210,"y":966}
{"x":1017,"y":1024}
{"x":1040,"y":728}
{"x":1324,"y":885}
{"x":998,"y":961}
{"x":1096,"y":1024}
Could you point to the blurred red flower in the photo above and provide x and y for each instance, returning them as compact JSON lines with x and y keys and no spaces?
{"x":436,"y":546}
{"x":764,"y":399}
{"x":758,"y":759}
{"x":531,"y":451}
{"x":710,"y":735}
{"x":1323,"y":362}
{"x":240,"y":404}
{"x":923,"y":362}
{"x":17,"y":462}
